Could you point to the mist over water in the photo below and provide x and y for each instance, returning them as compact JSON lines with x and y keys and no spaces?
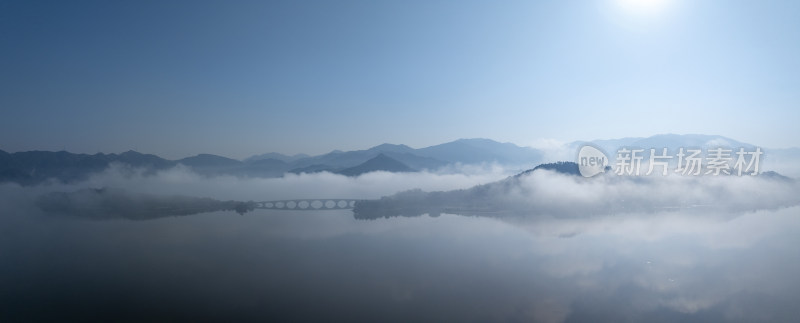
{"x":726,"y":264}
{"x":399,"y":161}
{"x":182,"y":180}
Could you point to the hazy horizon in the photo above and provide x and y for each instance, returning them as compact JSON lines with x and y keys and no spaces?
{"x":703,"y":230}
{"x":541,"y":144}
{"x":177,"y":79}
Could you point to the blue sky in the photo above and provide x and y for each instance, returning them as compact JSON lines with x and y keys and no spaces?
{"x":239,"y":78}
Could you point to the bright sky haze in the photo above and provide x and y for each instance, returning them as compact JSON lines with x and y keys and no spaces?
{"x":177,"y":78}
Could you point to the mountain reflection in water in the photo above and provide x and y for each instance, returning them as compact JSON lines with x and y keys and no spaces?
{"x":327,"y":265}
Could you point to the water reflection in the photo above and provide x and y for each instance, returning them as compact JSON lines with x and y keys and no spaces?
{"x":323,"y":265}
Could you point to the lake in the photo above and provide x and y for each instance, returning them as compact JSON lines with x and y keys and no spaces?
{"x":328,"y":266}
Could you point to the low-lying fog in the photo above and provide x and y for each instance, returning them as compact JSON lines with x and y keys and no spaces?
{"x":736,"y":263}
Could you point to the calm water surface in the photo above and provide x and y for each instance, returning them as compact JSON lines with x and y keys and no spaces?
{"x":326,"y":265}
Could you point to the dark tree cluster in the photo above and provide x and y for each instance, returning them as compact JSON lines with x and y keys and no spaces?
{"x":109,"y":203}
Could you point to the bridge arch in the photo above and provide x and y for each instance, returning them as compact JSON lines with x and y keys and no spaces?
{"x":307,"y":204}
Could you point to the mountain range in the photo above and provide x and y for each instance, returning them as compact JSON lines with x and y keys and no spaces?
{"x":511,"y":198}
{"x":32,"y":167}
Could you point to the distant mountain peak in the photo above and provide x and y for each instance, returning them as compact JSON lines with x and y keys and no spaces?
{"x":481,"y":150}
{"x":277,"y":156}
{"x":209,"y":160}
{"x":392,"y":148}
{"x":564,"y":167}
{"x":131,"y":153}
{"x":381,"y":162}
{"x":475,"y":140}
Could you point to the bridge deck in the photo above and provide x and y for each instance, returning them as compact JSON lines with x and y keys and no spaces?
{"x":308,"y":204}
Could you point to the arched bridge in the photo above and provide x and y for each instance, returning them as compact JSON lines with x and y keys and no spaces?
{"x":307,"y":204}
